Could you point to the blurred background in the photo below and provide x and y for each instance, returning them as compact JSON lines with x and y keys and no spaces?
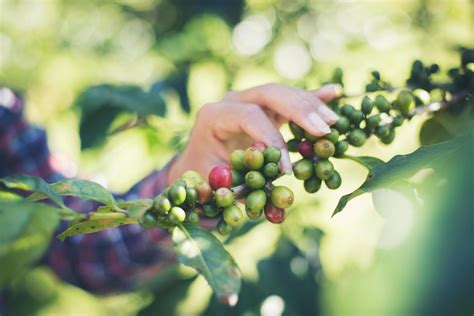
{"x":173,"y":57}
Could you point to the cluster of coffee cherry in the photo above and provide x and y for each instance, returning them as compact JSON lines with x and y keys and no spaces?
{"x":248,"y":178}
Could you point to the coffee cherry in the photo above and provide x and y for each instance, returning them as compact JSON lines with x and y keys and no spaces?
{"x":255,"y":180}
{"x":204,"y":192}
{"x":357,"y":137}
{"x":347,"y":109}
{"x":274,"y":214}
{"x":177,"y":194}
{"x":293,"y":145}
{"x":192,"y":177}
{"x":341,"y":148}
{"x":371,"y":87}
{"x":253,"y":158}
{"x":255,"y":201}
{"x":224,"y":197}
{"x":220,"y":177}
{"x":324,"y":149}
{"x":324,"y":169}
{"x":297,"y":131}
{"x":389,"y":138}
{"x":342,"y":125}
{"x":305,"y":148}
{"x":270,"y":170}
{"x":356,"y":117}
{"x":223,"y":228}
{"x":333,"y":137}
{"x":382,"y":103}
{"x":303,"y":169}
{"x":254,"y":216}
{"x":211,"y":210}
{"x":237,"y":178}
{"x":334,"y":181}
{"x":272,"y":154}
{"x":367,"y":105}
{"x":237,"y":160}
{"x":405,"y":102}
{"x":311,"y":138}
{"x":312,"y":185}
{"x":282,"y":197}
{"x":149,"y":220}
{"x":191,"y":196}
{"x":372,"y":122}
{"x":233,"y":215}
{"x":177,"y":215}
{"x":193,"y":218}
{"x":397,"y":121}
{"x":161,"y":204}
{"x":382,"y":131}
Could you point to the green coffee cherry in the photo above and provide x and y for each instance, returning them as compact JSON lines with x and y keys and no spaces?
{"x":270,"y":170}
{"x":405,"y":102}
{"x":310,"y":137}
{"x":211,"y":210}
{"x":333,"y":137}
{"x":237,"y":160}
{"x":272,"y":154}
{"x":357,"y":137}
{"x":282,"y":197}
{"x":356,"y":117}
{"x":397,"y":121}
{"x":303,"y":169}
{"x":233,"y":215}
{"x":334,"y":181}
{"x":255,"y":201}
{"x":224,"y":197}
{"x":254,"y":216}
{"x":312,"y":185}
{"x":191,"y":196}
{"x":367,"y":105}
{"x":382,"y":103}
{"x":177,"y":194}
{"x":161,"y":204}
{"x":149,"y":220}
{"x":253,"y":158}
{"x":223,"y":228}
{"x":177,"y":215}
{"x":193,"y":218}
{"x":347,"y":109}
{"x":372,"y":122}
{"x":192,"y":178}
{"x":341,"y":148}
{"x":293,"y":145}
{"x":389,"y":138}
{"x":342,"y":125}
{"x":237,"y":178}
{"x":297,"y":131}
{"x":382,"y":131}
{"x":324,"y":169}
{"x":324,"y":149}
{"x":255,"y":180}
{"x":371,"y":87}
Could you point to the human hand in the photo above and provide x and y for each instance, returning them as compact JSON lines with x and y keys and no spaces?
{"x":253,"y":115}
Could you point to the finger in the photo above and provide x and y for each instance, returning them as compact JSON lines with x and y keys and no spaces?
{"x":231,"y":118}
{"x":293,"y":104}
{"x":328,"y":92}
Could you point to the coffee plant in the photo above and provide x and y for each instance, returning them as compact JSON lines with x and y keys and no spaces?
{"x":245,"y":187}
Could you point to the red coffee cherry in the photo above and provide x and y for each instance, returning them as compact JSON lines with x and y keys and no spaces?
{"x":220,"y":177}
{"x":274,"y":214}
{"x":305,"y":148}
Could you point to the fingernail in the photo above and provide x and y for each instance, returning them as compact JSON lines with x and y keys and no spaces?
{"x":285,"y":162}
{"x":318,"y":123}
{"x":337,"y":90}
{"x":328,"y":113}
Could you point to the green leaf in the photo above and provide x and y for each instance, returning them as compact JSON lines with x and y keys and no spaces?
{"x":83,"y":189}
{"x":366,"y":161}
{"x":137,"y":208}
{"x":198,"y":248}
{"x":402,"y":167}
{"x":33,"y":184}
{"x":97,"y":222}
{"x":26,"y":229}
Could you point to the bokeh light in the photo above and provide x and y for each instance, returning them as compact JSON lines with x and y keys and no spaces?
{"x":292,"y":60}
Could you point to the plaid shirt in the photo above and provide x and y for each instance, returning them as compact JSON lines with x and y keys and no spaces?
{"x":109,"y":261}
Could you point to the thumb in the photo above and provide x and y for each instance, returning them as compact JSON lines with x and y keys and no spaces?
{"x":328,"y":92}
